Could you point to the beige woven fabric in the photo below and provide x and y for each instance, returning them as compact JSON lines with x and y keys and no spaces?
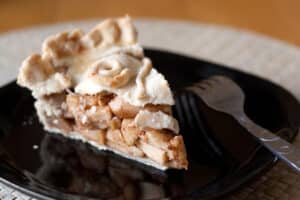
{"x":253,"y":53}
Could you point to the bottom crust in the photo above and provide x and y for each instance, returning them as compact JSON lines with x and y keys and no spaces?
{"x":79,"y":137}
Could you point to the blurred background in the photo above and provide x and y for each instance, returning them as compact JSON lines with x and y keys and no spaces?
{"x":276,"y":18}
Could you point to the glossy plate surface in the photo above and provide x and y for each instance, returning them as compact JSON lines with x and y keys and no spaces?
{"x":222,"y":156}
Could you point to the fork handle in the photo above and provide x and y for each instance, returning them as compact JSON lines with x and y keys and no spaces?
{"x":279,"y":147}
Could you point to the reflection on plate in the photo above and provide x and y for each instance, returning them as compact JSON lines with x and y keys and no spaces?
{"x":76,"y":168}
{"x":222,"y":156}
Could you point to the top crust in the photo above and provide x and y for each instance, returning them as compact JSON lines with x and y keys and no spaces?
{"x":107,"y":58}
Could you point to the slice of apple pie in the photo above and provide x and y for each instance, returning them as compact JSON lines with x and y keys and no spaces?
{"x":100,"y":88}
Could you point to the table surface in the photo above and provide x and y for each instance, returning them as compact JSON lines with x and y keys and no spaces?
{"x":252,"y":53}
{"x":276,"y":18}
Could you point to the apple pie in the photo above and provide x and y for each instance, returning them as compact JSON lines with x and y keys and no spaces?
{"x":99,"y":87}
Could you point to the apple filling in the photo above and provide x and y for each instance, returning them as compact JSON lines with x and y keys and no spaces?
{"x":108,"y":120}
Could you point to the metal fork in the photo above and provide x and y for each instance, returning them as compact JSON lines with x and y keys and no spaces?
{"x":222,"y":94}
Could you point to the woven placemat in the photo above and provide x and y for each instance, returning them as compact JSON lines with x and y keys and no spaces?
{"x":257,"y":54}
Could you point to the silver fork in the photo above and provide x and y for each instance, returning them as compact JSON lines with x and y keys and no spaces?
{"x":224,"y":95}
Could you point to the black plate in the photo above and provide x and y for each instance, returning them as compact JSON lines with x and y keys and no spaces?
{"x":222,"y":156}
